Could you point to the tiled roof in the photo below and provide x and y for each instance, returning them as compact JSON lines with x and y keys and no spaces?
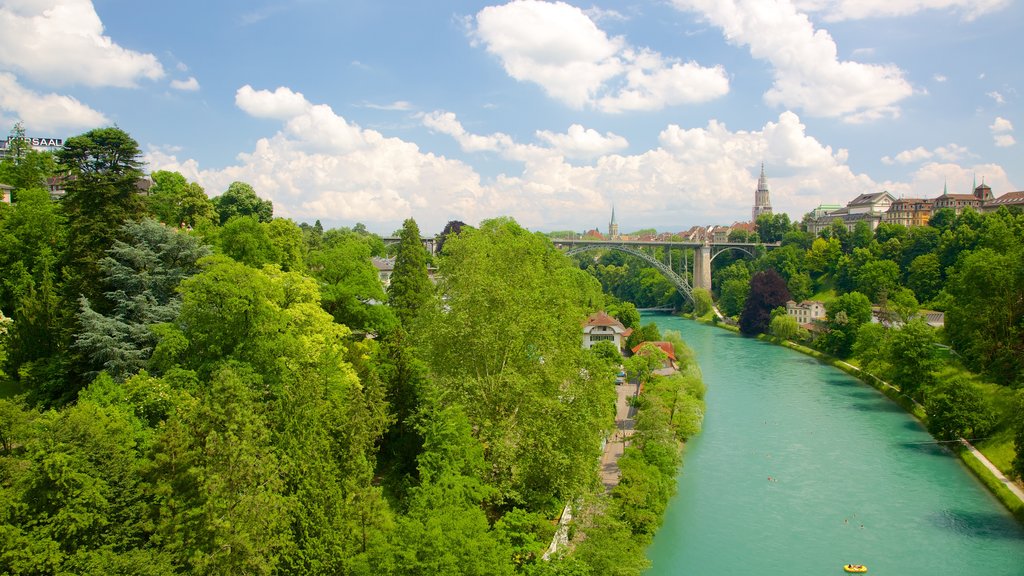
{"x":1008,"y":199}
{"x":602,"y":318}
{"x":666,"y":347}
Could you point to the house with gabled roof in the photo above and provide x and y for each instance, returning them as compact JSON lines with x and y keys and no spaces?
{"x":602,"y":327}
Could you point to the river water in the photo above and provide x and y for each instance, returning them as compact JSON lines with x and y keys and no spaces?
{"x":801,"y":469}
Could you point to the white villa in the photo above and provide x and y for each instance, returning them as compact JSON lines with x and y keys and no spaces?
{"x":600,"y":326}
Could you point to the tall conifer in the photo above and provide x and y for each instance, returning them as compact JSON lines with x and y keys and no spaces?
{"x":410,"y":286}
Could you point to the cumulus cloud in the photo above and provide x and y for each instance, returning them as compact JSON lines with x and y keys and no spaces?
{"x":320,"y":165}
{"x":61,"y":42}
{"x":932,"y":178}
{"x":47,"y":113}
{"x":1002,"y":132}
{"x":190,"y":85}
{"x":580,"y":142}
{"x":950,"y":153}
{"x":838,"y":10}
{"x":561,"y":49}
{"x":281,"y":104}
{"x":807,"y":71}
{"x":996,"y":96}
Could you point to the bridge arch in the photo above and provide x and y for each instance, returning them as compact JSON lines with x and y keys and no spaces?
{"x":720,"y":249}
{"x":679,"y":282}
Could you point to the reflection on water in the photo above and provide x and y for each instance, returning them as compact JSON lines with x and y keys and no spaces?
{"x":976,"y":524}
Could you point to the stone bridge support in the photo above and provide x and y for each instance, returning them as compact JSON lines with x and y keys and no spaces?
{"x":702,"y":267}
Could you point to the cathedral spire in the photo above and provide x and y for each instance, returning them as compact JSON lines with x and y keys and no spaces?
{"x":762,"y":203}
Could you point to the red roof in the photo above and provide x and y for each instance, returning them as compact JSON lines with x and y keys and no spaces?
{"x":666,"y":347}
{"x":602,"y":318}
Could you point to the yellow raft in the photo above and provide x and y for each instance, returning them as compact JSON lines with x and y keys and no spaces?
{"x":855,"y":568}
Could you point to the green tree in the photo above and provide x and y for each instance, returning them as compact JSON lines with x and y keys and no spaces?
{"x":502,"y":336}
{"x":101,"y":171}
{"x":176,"y":202}
{"x":350,"y":288}
{"x":22,"y":167}
{"x":912,"y":355}
{"x":862,"y":235}
{"x":142,"y":276}
{"x":925,"y":277}
{"x":958,"y":409}
{"x":218,"y":482}
{"x":985,"y":320}
{"x":246,"y":240}
{"x":410,"y":286}
{"x":241,"y":200}
{"x":784,"y":327}
{"x":1017,"y":426}
{"x":733,"y":296}
{"x":872,"y":348}
{"x":846,"y":314}
{"x":702,"y":303}
{"x":772,"y":227}
{"x":877,"y":278}
{"x":646,"y":333}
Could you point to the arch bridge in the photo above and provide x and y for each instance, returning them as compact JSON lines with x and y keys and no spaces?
{"x":703,"y":254}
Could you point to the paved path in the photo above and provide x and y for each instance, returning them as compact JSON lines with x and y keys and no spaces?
{"x":624,"y":419}
{"x":1010,"y":484}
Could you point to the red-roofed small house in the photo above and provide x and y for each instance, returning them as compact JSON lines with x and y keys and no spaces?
{"x":666,"y":347}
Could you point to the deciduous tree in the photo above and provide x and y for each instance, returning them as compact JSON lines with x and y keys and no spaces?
{"x":767,"y":292}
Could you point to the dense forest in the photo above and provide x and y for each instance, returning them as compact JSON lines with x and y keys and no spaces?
{"x":192,"y":385}
{"x":968,"y":374}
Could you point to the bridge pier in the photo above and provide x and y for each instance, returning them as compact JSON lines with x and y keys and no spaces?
{"x":702,"y":267}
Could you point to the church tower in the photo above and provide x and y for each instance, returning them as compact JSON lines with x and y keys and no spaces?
{"x":762,"y":205}
{"x":613,"y":228}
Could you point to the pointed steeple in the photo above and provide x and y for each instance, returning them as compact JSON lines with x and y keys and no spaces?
{"x":762,"y":204}
{"x":613,"y":228}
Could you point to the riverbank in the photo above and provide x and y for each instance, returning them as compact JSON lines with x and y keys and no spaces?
{"x":1008,"y":492}
{"x":612,"y":528}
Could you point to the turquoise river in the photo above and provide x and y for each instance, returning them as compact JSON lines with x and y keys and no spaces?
{"x":801,"y":469}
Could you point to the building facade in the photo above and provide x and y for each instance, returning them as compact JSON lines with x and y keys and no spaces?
{"x":601,"y":327}
{"x":869,"y":208}
{"x":807,"y":311}
{"x":909,"y":212}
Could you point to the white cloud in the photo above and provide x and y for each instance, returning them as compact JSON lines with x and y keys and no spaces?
{"x":190,"y":85}
{"x":996,"y":96}
{"x":1004,"y":140}
{"x":580,"y":142}
{"x":61,"y":43}
{"x":837,"y":10}
{"x":807,"y":72}
{"x":281,"y":104}
{"x":396,"y":106}
{"x":932,"y":178}
{"x":560,"y":48}
{"x":46,"y":113}
{"x":951,"y":152}
{"x":1001,"y":132}
{"x":940,"y":78}
{"x":320,"y":165}
{"x":1001,"y":125}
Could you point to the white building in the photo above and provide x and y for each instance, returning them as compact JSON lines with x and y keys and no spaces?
{"x":806,"y":311}
{"x":600,"y":327}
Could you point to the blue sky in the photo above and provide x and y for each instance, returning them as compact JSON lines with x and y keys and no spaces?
{"x":549,"y":112}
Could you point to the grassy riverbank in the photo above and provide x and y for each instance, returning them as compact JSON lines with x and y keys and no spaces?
{"x":614,"y":529}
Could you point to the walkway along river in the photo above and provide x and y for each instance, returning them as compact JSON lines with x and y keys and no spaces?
{"x":800,"y":469}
